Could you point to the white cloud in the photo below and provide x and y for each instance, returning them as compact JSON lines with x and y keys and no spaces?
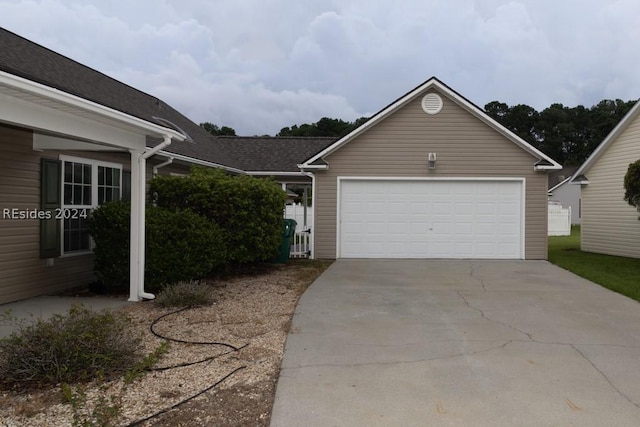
{"x":260,"y":66}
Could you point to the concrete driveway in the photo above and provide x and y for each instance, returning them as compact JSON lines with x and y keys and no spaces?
{"x":459,"y":343}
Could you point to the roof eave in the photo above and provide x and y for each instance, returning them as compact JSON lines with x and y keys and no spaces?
{"x":579,"y":179}
{"x":30,"y":87}
{"x":195,"y":161}
{"x":306,"y":166}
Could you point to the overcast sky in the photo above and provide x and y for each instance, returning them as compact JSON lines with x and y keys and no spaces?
{"x":260,"y":65}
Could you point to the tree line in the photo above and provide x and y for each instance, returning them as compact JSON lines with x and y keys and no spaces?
{"x":566,"y":134}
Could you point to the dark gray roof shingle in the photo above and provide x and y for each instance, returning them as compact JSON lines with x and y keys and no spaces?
{"x":266,"y":154}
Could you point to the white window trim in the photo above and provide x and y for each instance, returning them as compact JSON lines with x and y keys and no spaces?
{"x":94,"y":195}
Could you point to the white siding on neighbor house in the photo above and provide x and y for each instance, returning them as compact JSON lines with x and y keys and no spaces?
{"x":609,"y":224}
{"x":568,"y":195}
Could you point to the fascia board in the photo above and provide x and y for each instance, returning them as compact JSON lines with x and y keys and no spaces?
{"x":46,"y":92}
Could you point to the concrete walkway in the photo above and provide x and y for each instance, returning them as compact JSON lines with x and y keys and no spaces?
{"x":459,"y":343}
{"x":44,"y":307}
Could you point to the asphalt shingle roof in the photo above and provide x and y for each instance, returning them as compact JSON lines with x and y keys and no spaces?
{"x":23,"y":58}
{"x":265,"y":154}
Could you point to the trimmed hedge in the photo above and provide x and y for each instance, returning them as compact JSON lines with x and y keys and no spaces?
{"x":109,"y":227}
{"x":248,"y":210}
{"x":180,"y":245}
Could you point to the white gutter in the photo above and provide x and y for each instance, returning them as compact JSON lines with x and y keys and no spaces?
{"x":266,"y":173}
{"x":161,"y":165}
{"x":200,"y":162}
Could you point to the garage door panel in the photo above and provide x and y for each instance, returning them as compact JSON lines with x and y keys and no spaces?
{"x":430,"y":219}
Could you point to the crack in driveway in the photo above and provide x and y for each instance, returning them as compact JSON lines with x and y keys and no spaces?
{"x":571,"y":345}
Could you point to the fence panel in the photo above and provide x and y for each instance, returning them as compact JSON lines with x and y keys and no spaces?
{"x":296,"y":212}
{"x":301,"y":245}
{"x":559,"y":220}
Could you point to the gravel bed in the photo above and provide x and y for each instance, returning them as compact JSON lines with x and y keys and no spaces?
{"x":235,"y":386}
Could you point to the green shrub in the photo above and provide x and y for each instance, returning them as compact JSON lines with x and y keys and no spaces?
{"x":77,"y":346}
{"x":248,"y":210}
{"x":185,"y":294}
{"x":180,"y":245}
{"x":632,"y":184}
{"x":109,"y":226}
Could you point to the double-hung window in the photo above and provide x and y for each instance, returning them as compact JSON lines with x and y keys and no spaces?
{"x":86,"y":184}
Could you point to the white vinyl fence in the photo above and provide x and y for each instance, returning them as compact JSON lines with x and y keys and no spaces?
{"x":559,"y":221}
{"x":301,"y":245}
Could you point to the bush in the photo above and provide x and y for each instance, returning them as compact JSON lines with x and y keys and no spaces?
{"x":632,"y":184}
{"x":185,"y":294}
{"x":78,"y":346}
{"x":249,"y":210}
{"x":109,"y":226}
{"x":180,"y":245}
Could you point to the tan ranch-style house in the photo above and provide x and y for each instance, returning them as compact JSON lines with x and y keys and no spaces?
{"x":429,"y":176}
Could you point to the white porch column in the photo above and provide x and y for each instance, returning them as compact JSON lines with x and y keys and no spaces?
{"x":135,"y":284}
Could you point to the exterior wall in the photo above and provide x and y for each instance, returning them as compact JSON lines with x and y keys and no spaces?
{"x":465,"y":147}
{"x":609,"y":224}
{"x":22,"y":273}
{"x":569,"y":195}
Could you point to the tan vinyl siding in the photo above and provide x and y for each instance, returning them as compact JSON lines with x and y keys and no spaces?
{"x":22,"y":273}
{"x":609,"y":224}
{"x":398,"y":146}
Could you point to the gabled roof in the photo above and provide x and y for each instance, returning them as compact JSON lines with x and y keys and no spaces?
{"x":544,"y":162}
{"x":580,"y":177}
{"x":271,"y":154}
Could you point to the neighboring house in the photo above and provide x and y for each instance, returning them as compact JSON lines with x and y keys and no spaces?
{"x":609,"y":224}
{"x":72,"y":138}
{"x":430,"y":176}
{"x":568,"y":196}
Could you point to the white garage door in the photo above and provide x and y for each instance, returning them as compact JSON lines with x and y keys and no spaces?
{"x":430,"y":219}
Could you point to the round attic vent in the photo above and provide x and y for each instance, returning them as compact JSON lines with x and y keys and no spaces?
{"x":432,"y":103}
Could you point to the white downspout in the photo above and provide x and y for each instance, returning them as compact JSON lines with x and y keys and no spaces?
{"x":161,"y":165}
{"x":137,"y":287}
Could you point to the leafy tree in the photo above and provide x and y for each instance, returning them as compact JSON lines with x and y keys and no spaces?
{"x":324,"y":127}
{"x":567,"y":134}
{"x":213,"y":129}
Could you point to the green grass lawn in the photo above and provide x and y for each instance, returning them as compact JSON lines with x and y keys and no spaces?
{"x":616,"y":273}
